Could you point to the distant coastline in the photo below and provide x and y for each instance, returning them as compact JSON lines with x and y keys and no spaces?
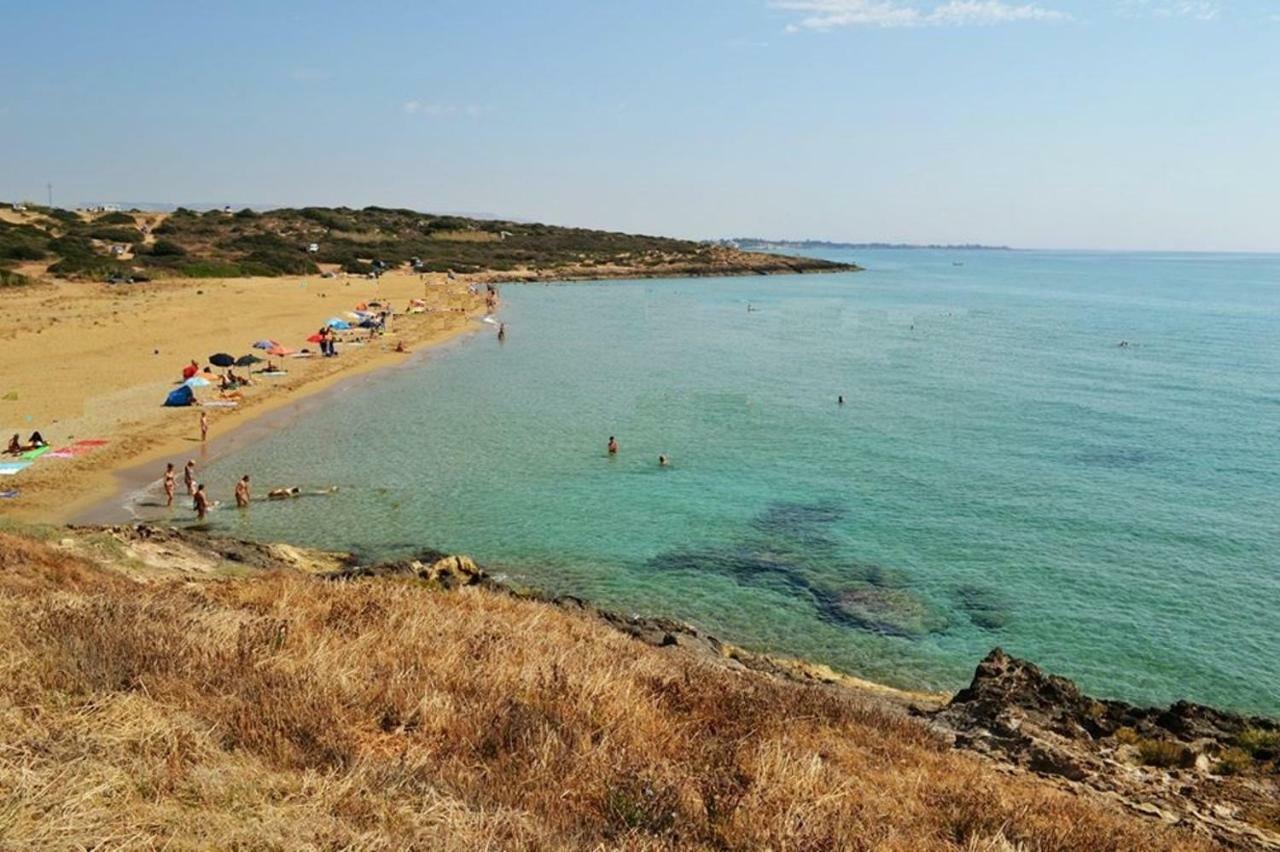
{"x":757,"y":244}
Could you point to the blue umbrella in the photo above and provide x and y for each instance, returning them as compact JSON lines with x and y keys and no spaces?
{"x":196,"y":382}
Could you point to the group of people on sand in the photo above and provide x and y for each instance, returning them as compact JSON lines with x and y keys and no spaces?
{"x":17,"y":448}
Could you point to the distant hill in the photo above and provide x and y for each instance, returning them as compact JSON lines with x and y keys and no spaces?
{"x":223,"y":244}
{"x":756,"y":244}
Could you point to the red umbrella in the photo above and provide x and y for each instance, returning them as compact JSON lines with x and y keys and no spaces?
{"x":315,"y":338}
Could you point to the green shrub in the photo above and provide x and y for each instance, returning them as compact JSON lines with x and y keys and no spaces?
{"x":1263,"y":745}
{"x":246,"y":213}
{"x":114,"y":235}
{"x":12,"y":279}
{"x":23,"y":251}
{"x":1233,"y":761}
{"x":357,"y":267}
{"x":1165,"y":754}
{"x":211,"y":269}
{"x":116,"y":218}
{"x":163,"y":248}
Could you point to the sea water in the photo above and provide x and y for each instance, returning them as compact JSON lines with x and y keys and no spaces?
{"x":1075,"y":456}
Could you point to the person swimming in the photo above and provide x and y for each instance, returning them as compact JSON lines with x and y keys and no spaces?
{"x":840,"y":400}
{"x":662,"y":461}
{"x":613,"y":446}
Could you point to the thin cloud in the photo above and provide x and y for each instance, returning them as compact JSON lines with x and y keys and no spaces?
{"x":432,"y":110}
{"x":1200,"y":10}
{"x":832,"y":14}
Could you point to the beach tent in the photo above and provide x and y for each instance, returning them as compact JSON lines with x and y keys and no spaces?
{"x":196,"y":382}
{"x":180,"y":397}
{"x":265,"y":344}
{"x":338,"y":323}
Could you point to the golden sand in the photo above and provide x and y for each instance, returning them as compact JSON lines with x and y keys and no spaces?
{"x":85,"y":360}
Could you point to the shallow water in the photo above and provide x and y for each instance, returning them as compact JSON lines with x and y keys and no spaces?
{"x":1002,"y":473}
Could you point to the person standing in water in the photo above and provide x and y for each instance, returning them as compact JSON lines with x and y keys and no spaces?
{"x":200,"y":502}
{"x":204,"y":426}
{"x":189,"y":476}
{"x":840,"y":400}
{"x":613,"y":446}
{"x":502,"y":331}
{"x":242,"y":492}
{"x":662,"y":461}
{"x":170,"y":484}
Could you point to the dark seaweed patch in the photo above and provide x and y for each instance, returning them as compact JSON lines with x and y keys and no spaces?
{"x":1115,"y":457}
{"x":985,"y":607}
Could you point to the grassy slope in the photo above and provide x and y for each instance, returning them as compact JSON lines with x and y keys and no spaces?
{"x":285,"y":712}
{"x":216,"y":244}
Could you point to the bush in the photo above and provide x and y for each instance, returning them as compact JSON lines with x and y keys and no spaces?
{"x":167,"y":248}
{"x":1233,"y":761}
{"x":114,"y":235}
{"x":246,"y":213}
{"x":116,"y":218}
{"x":1263,"y":745}
{"x":211,"y":269}
{"x":1165,"y":754}
{"x":357,"y":267}
{"x":23,"y":251}
{"x":12,"y":279}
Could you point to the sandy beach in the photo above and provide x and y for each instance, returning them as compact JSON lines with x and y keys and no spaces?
{"x":91,"y":361}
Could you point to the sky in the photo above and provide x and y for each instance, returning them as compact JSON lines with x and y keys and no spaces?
{"x":1132,"y":124}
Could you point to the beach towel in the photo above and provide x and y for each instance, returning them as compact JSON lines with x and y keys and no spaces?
{"x":220,"y":403}
{"x":32,"y":455}
{"x":13,"y":468}
{"x":273,"y":373}
{"x":79,"y":448}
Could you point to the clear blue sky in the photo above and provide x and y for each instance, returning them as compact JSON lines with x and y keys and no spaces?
{"x":1055,"y":123}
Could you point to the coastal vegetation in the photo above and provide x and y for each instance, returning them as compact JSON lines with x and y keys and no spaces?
{"x":189,"y":243}
{"x":158,"y":693}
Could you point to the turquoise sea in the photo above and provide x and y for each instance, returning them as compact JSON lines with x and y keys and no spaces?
{"x":1003,"y":472}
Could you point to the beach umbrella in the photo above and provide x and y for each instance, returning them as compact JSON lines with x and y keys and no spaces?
{"x":315,"y":338}
{"x":265,"y":344}
{"x":180,"y":397}
{"x":247,"y":360}
{"x":338,"y":323}
{"x":197,"y":382}
{"x":222,"y":359}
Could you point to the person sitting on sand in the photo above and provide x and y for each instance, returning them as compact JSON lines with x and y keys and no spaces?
{"x":189,"y":476}
{"x":400,"y":346}
{"x":200,"y":502}
{"x":613,"y":446}
{"x":15,"y":446}
{"x":242,"y":492}
{"x":170,"y":484}
{"x":271,"y":367}
{"x":36,"y":441}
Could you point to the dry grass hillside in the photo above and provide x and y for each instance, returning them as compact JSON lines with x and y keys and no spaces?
{"x":284,"y":711}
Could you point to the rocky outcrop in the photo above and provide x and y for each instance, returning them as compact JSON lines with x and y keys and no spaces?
{"x":446,"y":570}
{"x":1183,"y":764}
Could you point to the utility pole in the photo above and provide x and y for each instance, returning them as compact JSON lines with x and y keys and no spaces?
{"x":49,"y":186}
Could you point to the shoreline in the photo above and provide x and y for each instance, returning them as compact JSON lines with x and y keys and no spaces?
{"x":128,"y":480}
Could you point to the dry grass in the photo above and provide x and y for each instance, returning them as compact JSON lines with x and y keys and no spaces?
{"x":283,"y":712}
